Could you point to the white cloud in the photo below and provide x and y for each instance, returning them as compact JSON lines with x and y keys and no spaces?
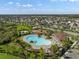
{"x":17,"y":3}
{"x":29,"y":5}
{"x":53,"y":0}
{"x":24,"y":5}
{"x":73,"y":0}
{"x":10,"y":2}
{"x":40,"y":4}
{"x":65,"y":0}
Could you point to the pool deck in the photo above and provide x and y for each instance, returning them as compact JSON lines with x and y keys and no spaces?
{"x":36,"y":46}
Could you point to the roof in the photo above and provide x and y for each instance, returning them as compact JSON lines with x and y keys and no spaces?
{"x":61,"y":36}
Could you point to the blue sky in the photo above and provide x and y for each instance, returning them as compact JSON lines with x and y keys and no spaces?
{"x":39,"y":6}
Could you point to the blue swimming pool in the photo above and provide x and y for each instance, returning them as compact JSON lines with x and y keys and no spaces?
{"x":37,"y":40}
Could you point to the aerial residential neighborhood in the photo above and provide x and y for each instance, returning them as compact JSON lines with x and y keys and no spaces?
{"x":39,"y":29}
{"x":40,"y":37}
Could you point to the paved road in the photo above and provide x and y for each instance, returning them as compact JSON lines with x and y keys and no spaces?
{"x":68,"y":32}
{"x":72,"y":33}
{"x":72,"y":54}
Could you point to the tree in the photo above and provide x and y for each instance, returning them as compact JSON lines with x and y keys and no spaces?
{"x":66,"y":44}
{"x":40,"y":54}
{"x":31,"y":55}
{"x":49,"y":57}
{"x":54,"y":48}
{"x":22,"y":47}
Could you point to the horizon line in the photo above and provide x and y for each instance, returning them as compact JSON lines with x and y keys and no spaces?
{"x":43,"y":14}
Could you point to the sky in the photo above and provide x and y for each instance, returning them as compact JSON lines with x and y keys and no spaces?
{"x":39,"y":6}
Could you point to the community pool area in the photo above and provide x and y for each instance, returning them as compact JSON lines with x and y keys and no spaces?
{"x":37,"y":41}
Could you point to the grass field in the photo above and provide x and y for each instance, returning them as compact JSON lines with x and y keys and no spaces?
{"x":6,"y":56}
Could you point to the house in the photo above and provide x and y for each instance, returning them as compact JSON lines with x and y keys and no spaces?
{"x":23,"y":32}
{"x":57,"y":38}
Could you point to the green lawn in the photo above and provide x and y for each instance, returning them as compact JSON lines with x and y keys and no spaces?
{"x":6,"y":56}
{"x":23,"y":27}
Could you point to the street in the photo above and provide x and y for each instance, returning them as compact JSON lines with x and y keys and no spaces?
{"x":72,"y":54}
